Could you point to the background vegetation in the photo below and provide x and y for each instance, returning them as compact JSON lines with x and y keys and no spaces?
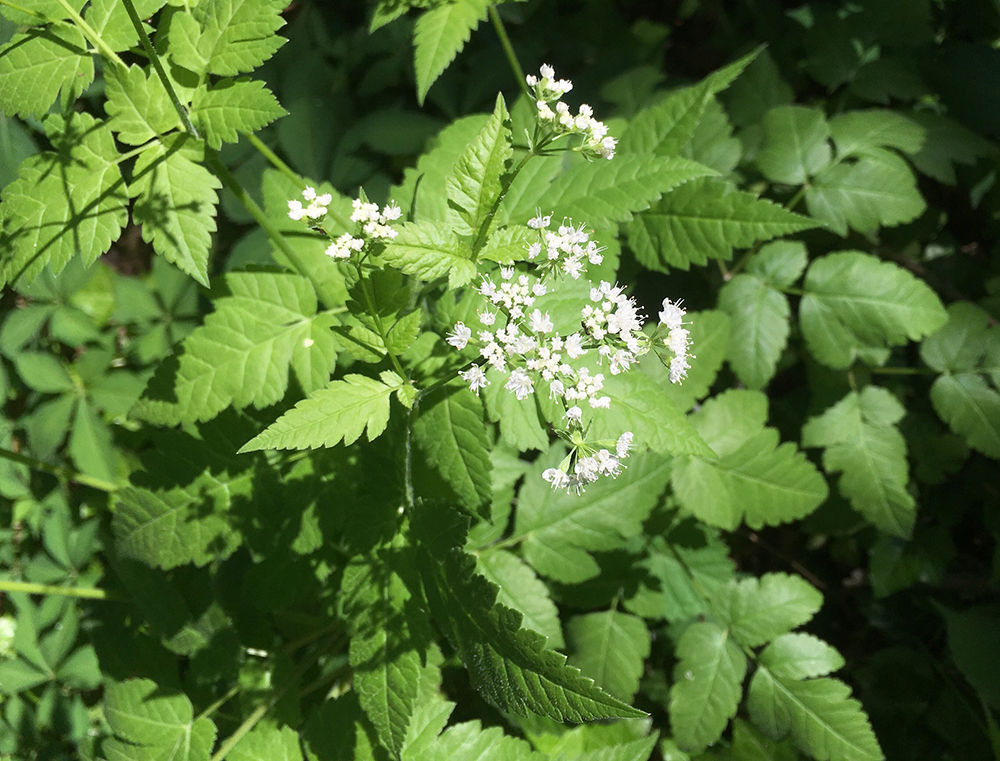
{"x":162,"y":596}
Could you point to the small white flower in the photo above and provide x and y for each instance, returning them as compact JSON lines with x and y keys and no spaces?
{"x":624,"y":444}
{"x":459,"y":337}
{"x":547,"y":71}
{"x":310,"y":194}
{"x":672,"y":314}
{"x":677,"y":341}
{"x":540,"y":222}
{"x":602,"y":402}
{"x":391,"y":211}
{"x":556,"y":477}
{"x":540,"y":323}
{"x":519,"y":383}
{"x":587,"y":469}
{"x":556,"y":389}
{"x":475,"y":377}
{"x":487,"y":317}
{"x":678,"y":369}
{"x":574,"y":414}
{"x":295,"y":210}
{"x":574,"y":346}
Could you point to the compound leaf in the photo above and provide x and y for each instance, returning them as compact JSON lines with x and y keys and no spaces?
{"x":439,"y":35}
{"x":971,"y":408}
{"x":138,"y":105}
{"x":758,"y":610}
{"x":232,"y":108}
{"x":610,"y":647}
{"x":235,"y":36}
{"x":429,"y":250}
{"x":796,"y":144}
{"x":39,"y":64}
{"x":800,"y":656}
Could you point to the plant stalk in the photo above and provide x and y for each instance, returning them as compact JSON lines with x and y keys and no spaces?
{"x":59,"y":471}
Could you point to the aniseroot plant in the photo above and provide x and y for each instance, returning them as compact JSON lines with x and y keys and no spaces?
{"x":468,"y":342}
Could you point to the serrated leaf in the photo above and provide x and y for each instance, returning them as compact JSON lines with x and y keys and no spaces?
{"x":474,"y":185}
{"x":706,"y":219}
{"x":878,"y":190}
{"x":65,"y":203}
{"x":387,"y":641}
{"x":559,"y":529}
{"x":451,"y":432}
{"x":961,"y":344}
{"x":508,"y":665}
{"x":470,"y":741}
{"x":439,"y":35}
{"x":666,"y":128}
{"x":138,"y":106}
{"x":161,"y":722}
{"x":38,"y":65}
{"x":175,"y":202}
{"x":800,"y":656}
{"x":971,"y":408}
{"x":863,"y":443}
{"x":264,"y":324}
{"x":231,"y":108}
{"x":602,"y":194}
{"x":340,"y":412}
{"x":429,"y":250}
{"x":110,"y":20}
{"x":795,"y":145}
{"x":819,"y":714}
{"x":708,"y":685}
{"x":752,"y":478}
{"x":235,"y":36}
{"x":854,"y":300}
{"x":758,"y":610}
{"x":854,"y":132}
{"x":609,"y":647}
{"x":641,"y":406}
{"x":267,"y":743}
{"x":521,"y":590}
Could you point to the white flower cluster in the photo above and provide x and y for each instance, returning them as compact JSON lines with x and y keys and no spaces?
{"x":315,"y":210}
{"x":559,"y":118}
{"x":374,"y":224}
{"x":518,"y":338}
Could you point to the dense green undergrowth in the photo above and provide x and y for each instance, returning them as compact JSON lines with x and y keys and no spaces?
{"x":278,"y":483}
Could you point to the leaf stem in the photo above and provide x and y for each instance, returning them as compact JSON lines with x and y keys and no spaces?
{"x":258,"y":214}
{"x":276,"y":161}
{"x":901,"y":371}
{"x":89,"y":32}
{"x":47,"y":589}
{"x":508,"y":49}
{"x":377,"y":319}
{"x":794,"y":200}
{"x":158,"y":66}
{"x":59,"y":471}
{"x":230,"y":694}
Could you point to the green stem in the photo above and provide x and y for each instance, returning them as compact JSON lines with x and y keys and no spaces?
{"x":136,"y":151}
{"x":46,"y":589}
{"x":230,"y":694}
{"x":259,"y":712}
{"x":258,"y":214}
{"x":91,"y":34}
{"x":794,"y":200}
{"x":901,"y":371}
{"x":158,"y":66}
{"x":508,"y":49}
{"x":59,"y":471}
{"x":276,"y":161}
{"x":377,"y":319}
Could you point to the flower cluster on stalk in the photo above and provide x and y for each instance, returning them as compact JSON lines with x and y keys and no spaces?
{"x":372,"y":224}
{"x":556,"y":115}
{"x":516,"y":337}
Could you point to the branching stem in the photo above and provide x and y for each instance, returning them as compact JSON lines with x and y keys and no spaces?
{"x":59,"y":471}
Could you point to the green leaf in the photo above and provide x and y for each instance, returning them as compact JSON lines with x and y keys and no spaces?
{"x":962,"y":343}
{"x":795,"y":144}
{"x":971,"y":408}
{"x":43,"y":372}
{"x":854,"y":300}
{"x":758,"y":610}
{"x":878,"y":190}
{"x":90,"y":445}
{"x":110,"y":20}
{"x":759,"y":314}
{"x":231,"y":108}
{"x":235,"y":36}
{"x":682,"y":587}
{"x":819,"y":714}
{"x":706,"y":219}
{"x":470,"y":741}
{"x":68,"y":202}
{"x":474,"y":186}
{"x":521,"y":590}
{"x":138,"y":106}
{"x":971,"y":635}
{"x":641,"y":406}
{"x":429,"y":250}
{"x":863,"y":443}
{"x":800,"y":656}
{"x":708,"y":684}
{"x":611,"y":648}
{"x":559,"y":529}
{"x":175,"y":202}
{"x":509,"y":666}
{"x":160,"y":721}
{"x":340,"y":412}
{"x":451,"y":432}
{"x":520,"y":424}
{"x":855,"y":132}
{"x":267,"y":743}
{"x":439,"y":35}
{"x":387,"y":641}
{"x":666,"y":128}
{"x":38,"y":65}
{"x":264,"y":324}
{"x":710,"y":335}
{"x":752,"y":478}
{"x":947,"y":143}
{"x":601,"y":194}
